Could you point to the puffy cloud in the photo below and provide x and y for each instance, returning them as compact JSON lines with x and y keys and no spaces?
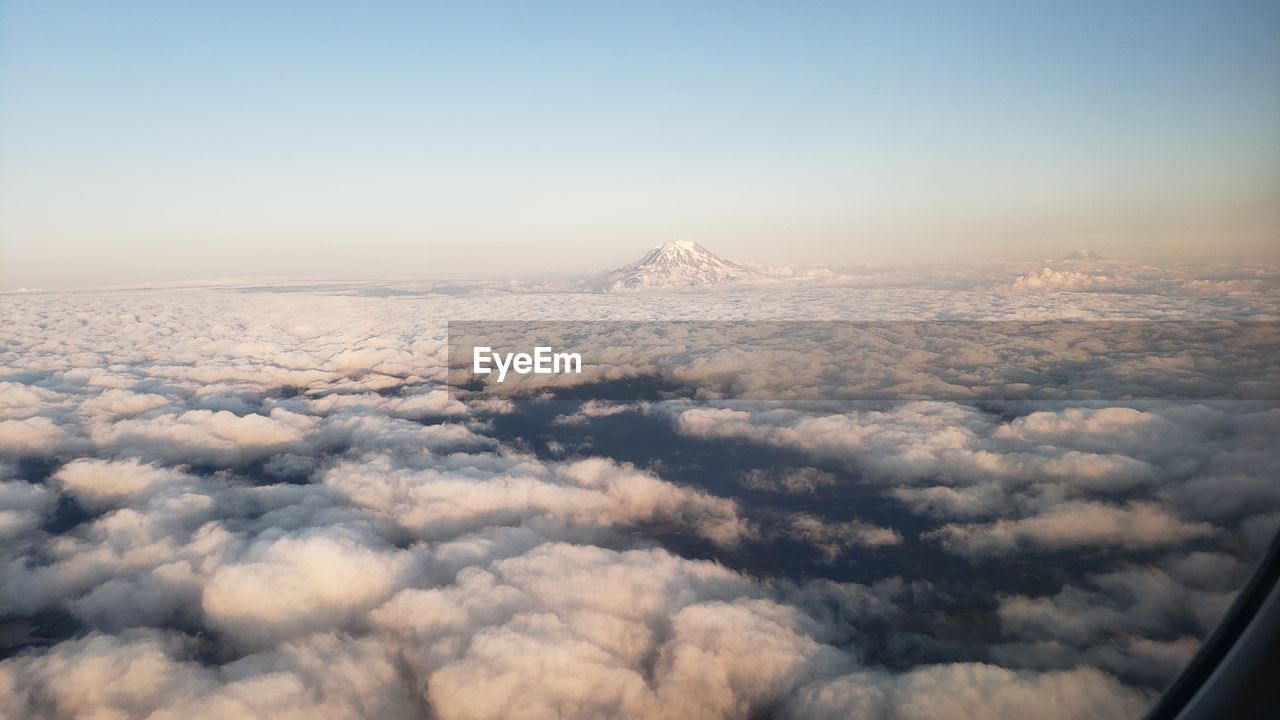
{"x":32,"y":436}
{"x":429,"y":403}
{"x":1137,"y":525}
{"x":19,"y":401}
{"x":205,"y":436}
{"x":280,"y":588}
{"x":22,"y":508}
{"x":115,"y":402}
{"x":1142,"y":623}
{"x":805,"y":480}
{"x":434,"y":503}
{"x":237,"y":502}
{"x":144,"y":674}
{"x":1108,"y":276}
{"x":1049,"y":279}
{"x":972,"y":690}
{"x":100,"y":484}
{"x":1051,"y":477}
{"x":565,"y":630}
{"x":1109,"y":448}
{"x":593,"y":409}
{"x":833,"y":538}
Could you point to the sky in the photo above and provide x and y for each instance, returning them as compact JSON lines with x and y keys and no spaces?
{"x":158,"y":141}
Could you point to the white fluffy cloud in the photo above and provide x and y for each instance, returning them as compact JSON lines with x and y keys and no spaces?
{"x":1050,"y":479}
{"x":32,"y":436}
{"x":1138,"y":525}
{"x":833,"y":538}
{"x":440,"y":503}
{"x":100,"y":484}
{"x":972,"y":690}
{"x":249,"y":503}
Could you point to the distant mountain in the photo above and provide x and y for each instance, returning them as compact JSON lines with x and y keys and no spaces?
{"x":680,"y":264}
{"x":1082,"y":256}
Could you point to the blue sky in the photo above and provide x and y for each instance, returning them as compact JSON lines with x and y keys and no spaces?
{"x":157,"y":140}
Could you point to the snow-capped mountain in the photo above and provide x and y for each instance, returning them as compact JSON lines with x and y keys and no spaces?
{"x":681,"y":264}
{"x":1080,"y":256}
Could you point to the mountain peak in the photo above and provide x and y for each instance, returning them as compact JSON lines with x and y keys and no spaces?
{"x":680,"y":245}
{"x":1082,"y":255}
{"x":676,"y":264}
{"x":678,"y":250}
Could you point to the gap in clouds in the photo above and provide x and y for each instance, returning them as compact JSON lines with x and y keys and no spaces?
{"x":956,"y":620}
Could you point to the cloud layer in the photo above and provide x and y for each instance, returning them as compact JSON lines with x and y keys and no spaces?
{"x":218,"y":503}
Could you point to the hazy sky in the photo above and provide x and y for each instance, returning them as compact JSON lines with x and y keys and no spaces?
{"x":151,"y":141}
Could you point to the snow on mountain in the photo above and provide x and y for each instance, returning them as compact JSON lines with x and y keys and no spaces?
{"x":681,"y":264}
{"x":1082,"y":256}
